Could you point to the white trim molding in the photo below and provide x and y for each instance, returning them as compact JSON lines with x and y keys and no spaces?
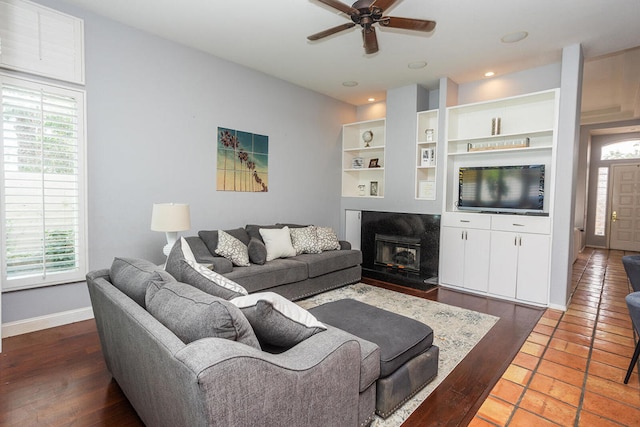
{"x":33,"y":324}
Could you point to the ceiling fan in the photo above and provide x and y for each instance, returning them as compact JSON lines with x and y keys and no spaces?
{"x":366,"y":13}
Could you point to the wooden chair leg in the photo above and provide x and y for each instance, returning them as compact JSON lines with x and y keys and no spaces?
{"x":634,"y":361}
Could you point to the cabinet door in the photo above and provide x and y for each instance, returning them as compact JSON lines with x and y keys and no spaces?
{"x":533,"y":268}
{"x":352,"y":230}
{"x":452,"y":256}
{"x":503,"y":269}
{"x":476,"y":264}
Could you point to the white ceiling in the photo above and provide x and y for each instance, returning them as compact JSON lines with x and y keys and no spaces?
{"x":270,"y":36}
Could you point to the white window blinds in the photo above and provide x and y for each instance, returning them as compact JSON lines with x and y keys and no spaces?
{"x":43,"y":184}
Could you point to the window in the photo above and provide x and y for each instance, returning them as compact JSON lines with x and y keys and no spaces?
{"x":43,"y":184}
{"x":621,"y":150}
{"x":601,"y":201}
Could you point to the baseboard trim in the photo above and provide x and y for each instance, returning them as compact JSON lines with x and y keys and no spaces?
{"x":39,"y":323}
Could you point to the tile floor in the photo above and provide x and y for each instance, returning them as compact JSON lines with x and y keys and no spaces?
{"x":571,"y":369}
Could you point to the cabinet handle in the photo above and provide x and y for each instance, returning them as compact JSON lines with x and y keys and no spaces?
{"x":464,"y":220}
{"x":466,"y":235}
{"x":518,"y":225}
{"x":520,"y":241}
{"x":515,"y":241}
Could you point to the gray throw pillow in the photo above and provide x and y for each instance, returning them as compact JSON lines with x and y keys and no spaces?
{"x":257,"y":251}
{"x":132,"y":276}
{"x":277,"y":321}
{"x":192,"y":314}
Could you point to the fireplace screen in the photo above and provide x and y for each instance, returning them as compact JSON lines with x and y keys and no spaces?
{"x":398,"y":252}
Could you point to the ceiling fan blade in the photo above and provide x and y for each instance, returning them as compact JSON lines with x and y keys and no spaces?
{"x":340,"y":6}
{"x":408,"y":23}
{"x":370,"y":40}
{"x":331,"y":31}
{"x":384,"y":4}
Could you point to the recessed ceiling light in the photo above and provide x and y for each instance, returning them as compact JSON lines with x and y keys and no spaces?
{"x":350,"y":83}
{"x":416,"y":65}
{"x":514,"y":37}
{"x":489,"y":74}
{"x":371,"y":99}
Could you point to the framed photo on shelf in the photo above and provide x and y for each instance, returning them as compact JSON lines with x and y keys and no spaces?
{"x":357,"y":163}
{"x":373,"y":163}
{"x":373,"y":188}
{"x":427,"y":157}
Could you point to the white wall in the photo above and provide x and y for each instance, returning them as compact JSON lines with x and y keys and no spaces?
{"x":153,"y":110}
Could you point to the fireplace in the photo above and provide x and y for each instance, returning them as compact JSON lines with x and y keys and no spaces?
{"x":401,"y":248}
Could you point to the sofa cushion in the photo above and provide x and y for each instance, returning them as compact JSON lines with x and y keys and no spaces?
{"x":209,"y":281}
{"x":305,"y":240}
{"x":132,"y":276}
{"x":276,"y":320}
{"x":253,"y":230}
{"x":257,"y":251}
{"x":273,"y":273}
{"x":327,"y":239}
{"x":195,"y":249}
{"x":278,"y":243}
{"x":210,"y":237}
{"x":327,"y":262}
{"x":232,"y":249}
{"x":192,"y":314}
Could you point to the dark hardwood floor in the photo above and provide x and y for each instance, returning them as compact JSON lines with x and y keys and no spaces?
{"x":57,"y":377}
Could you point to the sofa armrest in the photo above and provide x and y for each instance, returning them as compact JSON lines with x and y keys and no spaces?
{"x":344,"y":245}
{"x":314,"y":383}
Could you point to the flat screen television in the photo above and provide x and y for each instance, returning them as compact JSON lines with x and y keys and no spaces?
{"x":509,"y":189}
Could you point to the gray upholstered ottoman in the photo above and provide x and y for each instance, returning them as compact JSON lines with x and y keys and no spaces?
{"x":408,"y":358}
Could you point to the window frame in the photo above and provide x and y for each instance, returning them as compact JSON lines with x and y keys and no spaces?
{"x":54,"y":278}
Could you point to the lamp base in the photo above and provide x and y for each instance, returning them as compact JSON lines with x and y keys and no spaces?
{"x":172,"y":237}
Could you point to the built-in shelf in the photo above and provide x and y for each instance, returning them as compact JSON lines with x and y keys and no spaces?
{"x":363,"y":147}
{"x":426,"y":155}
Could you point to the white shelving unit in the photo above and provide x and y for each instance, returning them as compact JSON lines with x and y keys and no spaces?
{"x":360,"y":177}
{"x":426,"y":154}
{"x":504,"y":255}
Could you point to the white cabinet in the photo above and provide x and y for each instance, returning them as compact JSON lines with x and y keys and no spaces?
{"x":464,"y":251}
{"x":352,"y":228}
{"x":519,"y":266}
{"x":426,"y":153}
{"x":41,"y":41}
{"x":363,"y":145}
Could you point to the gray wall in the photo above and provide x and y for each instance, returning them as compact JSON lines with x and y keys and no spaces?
{"x":153,"y":109}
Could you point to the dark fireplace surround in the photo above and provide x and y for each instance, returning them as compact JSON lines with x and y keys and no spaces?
{"x":401,"y":248}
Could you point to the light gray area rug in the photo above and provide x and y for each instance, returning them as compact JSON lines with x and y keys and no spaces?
{"x":456,"y":331}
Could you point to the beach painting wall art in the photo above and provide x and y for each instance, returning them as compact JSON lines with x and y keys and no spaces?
{"x":243,"y":161}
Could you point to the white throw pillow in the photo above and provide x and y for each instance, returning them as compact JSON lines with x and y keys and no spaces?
{"x":277,"y":242}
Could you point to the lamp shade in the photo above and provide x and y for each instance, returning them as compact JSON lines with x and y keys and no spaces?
{"x":170,"y":217}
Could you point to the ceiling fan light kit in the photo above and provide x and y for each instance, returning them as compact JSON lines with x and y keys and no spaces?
{"x":366,"y":13}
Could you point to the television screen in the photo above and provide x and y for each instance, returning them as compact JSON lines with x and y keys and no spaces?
{"x":502,"y":188}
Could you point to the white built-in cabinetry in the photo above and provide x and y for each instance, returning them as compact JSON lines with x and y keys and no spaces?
{"x":426,"y":150}
{"x":503,"y":255}
{"x":363,"y":145}
{"x":41,"y":41}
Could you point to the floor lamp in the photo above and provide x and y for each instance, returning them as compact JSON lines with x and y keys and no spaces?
{"x":170,"y":218}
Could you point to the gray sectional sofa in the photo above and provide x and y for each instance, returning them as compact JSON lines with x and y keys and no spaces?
{"x":177,"y":369}
{"x":293,"y":277}
{"x":204,"y":342}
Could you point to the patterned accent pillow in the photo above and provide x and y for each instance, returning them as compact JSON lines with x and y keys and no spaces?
{"x":232,"y":249}
{"x":305,"y":240}
{"x":327,"y":239}
{"x":276,"y":320}
{"x":215,"y":284}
